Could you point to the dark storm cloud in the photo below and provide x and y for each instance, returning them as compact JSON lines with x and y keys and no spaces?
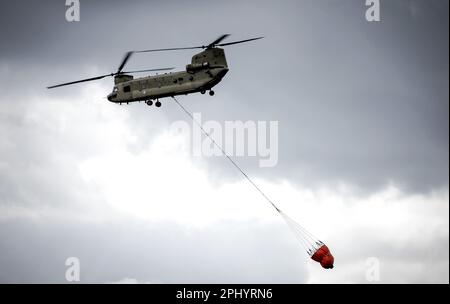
{"x":358,"y":102}
{"x":163,"y":253}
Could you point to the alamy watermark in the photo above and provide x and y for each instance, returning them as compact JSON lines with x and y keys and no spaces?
{"x":72,"y":10}
{"x":373,"y":269}
{"x":73,"y":269}
{"x":373,"y":12}
{"x":236,"y":138}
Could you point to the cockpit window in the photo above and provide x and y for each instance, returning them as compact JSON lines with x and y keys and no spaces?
{"x":127,"y":89}
{"x":115,"y":89}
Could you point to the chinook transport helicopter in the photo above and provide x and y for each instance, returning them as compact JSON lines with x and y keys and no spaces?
{"x":206,"y":70}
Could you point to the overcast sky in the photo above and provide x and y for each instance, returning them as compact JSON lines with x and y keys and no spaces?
{"x":363,"y":160}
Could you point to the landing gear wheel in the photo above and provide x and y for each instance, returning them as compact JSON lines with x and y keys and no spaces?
{"x":158,"y":104}
{"x":149,"y":102}
{"x":203,"y":92}
{"x":211,"y":93}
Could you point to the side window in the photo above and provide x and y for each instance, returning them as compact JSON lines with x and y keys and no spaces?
{"x":127,"y":89}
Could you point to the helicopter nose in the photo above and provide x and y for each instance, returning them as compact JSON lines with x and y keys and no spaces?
{"x":112,"y":96}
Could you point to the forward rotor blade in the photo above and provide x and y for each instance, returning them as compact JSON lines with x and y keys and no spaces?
{"x":240,"y":41}
{"x":149,"y":70}
{"x":211,"y":45}
{"x":171,"y":49}
{"x":78,"y":81}
{"x":124,"y":61}
{"x":218,"y":40}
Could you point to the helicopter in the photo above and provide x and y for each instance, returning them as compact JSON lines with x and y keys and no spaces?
{"x":205,"y":71}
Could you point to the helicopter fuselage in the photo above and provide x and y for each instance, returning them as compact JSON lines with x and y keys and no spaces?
{"x":205,"y":71}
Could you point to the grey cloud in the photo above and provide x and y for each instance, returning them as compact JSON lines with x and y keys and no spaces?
{"x":161,"y":253}
{"x":357,"y":102}
{"x":228,"y":252}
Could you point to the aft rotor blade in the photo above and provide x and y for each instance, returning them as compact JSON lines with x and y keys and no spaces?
{"x":149,"y":70}
{"x":240,"y":41}
{"x":78,"y":81}
{"x":218,"y":40}
{"x":171,"y":49}
{"x":124,"y":61}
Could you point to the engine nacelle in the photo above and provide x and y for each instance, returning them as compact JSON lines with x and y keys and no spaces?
{"x":122,"y":78}
{"x":194,"y":67}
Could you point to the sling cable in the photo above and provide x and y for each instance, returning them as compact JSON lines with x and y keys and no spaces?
{"x":315,"y":248}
